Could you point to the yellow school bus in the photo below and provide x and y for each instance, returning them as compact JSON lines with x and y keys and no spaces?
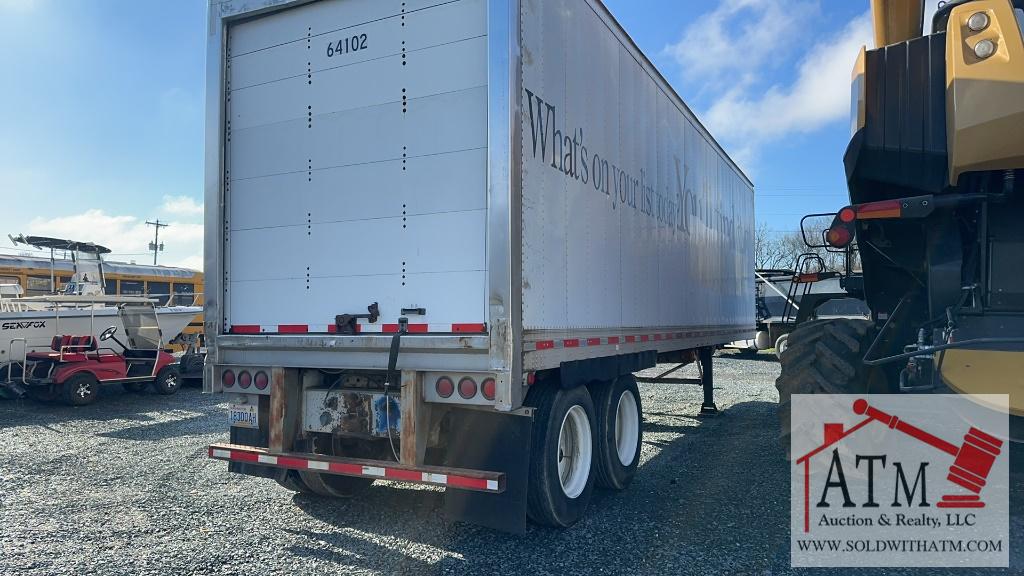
{"x":170,"y":285}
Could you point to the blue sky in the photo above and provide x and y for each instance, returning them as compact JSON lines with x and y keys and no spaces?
{"x":102,"y":110}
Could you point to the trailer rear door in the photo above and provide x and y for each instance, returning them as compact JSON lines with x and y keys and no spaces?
{"x":355,"y":165}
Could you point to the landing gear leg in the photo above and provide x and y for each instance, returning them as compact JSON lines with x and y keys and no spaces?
{"x":707,"y":408}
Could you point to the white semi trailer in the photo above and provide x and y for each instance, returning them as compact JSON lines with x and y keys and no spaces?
{"x":441,"y":235}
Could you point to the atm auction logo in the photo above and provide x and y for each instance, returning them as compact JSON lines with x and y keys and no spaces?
{"x":900,"y":480}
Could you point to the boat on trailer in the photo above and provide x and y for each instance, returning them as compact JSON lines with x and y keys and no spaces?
{"x":28,"y":323}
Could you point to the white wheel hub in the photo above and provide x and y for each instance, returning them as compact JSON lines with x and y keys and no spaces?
{"x":627,"y":427}
{"x":575,"y":451}
{"x":781,"y":344}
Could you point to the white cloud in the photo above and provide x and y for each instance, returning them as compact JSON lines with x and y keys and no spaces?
{"x":820,"y":94}
{"x":734,"y":48}
{"x":181,"y":205}
{"x":127,"y":236}
{"x":738,"y":40}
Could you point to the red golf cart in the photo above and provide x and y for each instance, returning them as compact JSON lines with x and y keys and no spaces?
{"x":75,"y":366}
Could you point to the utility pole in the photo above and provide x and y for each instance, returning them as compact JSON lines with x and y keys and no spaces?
{"x":155,"y":245}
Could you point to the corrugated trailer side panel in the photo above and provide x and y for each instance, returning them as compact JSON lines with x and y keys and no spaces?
{"x":634,"y":221}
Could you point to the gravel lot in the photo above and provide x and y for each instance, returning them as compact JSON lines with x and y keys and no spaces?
{"x":125,"y":487}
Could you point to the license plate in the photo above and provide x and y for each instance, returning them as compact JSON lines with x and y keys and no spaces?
{"x":244,"y":415}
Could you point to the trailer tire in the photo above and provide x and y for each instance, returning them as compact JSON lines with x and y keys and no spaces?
{"x":333,"y":485}
{"x":619,"y":431}
{"x":824,"y":357}
{"x":167,"y":381}
{"x":191,"y":367}
{"x":290,"y":480}
{"x":81,"y":389}
{"x":192,"y":363}
{"x":329,"y":485}
{"x":563,"y":421}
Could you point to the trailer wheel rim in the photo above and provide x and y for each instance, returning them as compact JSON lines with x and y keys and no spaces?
{"x":627,"y":428}
{"x":575,"y":450}
{"x":170,"y":382}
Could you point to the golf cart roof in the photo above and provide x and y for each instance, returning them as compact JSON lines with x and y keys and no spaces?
{"x":59,"y":244}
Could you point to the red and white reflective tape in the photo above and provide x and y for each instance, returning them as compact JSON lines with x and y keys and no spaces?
{"x":245,"y":454}
{"x":620,"y":339}
{"x":460,"y":328}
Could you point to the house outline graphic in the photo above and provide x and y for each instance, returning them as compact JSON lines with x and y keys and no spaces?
{"x":972,"y":460}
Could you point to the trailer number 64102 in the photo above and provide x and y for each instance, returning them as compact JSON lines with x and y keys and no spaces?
{"x":346,"y":45}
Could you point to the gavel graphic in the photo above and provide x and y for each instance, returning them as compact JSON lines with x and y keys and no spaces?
{"x":972,"y":461}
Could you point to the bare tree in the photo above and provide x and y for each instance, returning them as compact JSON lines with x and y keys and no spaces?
{"x":768,"y":250}
{"x":782,"y":250}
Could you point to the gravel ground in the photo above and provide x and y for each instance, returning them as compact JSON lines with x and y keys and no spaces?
{"x":124,"y":487}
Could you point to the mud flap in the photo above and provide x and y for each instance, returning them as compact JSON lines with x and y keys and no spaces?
{"x":486,"y":441}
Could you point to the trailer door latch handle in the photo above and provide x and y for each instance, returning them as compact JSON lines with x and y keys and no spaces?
{"x":346,"y":323}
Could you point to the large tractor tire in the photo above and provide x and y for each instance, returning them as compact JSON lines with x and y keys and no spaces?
{"x":824,"y":357}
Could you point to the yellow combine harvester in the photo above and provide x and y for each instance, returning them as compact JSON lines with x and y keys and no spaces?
{"x":936,"y":179}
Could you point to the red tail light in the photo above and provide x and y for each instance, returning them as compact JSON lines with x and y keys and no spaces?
{"x":227,"y":378}
{"x":839,"y":236}
{"x":245,"y":379}
{"x":467,"y":388}
{"x":487,"y":388}
{"x":847,"y":215}
{"x":444,"y":387}
{"x":261,"y":381}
